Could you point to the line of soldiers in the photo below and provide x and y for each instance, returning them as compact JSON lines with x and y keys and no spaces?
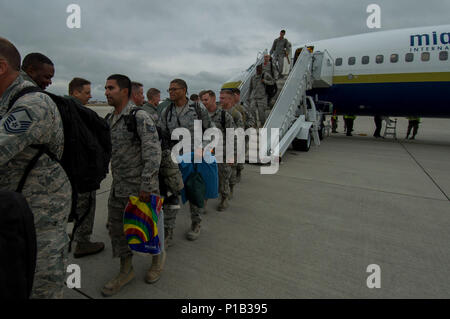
{"x":136,"y":161}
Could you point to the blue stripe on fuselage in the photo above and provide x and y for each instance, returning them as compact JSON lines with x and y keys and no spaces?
{"x":425,"y":99}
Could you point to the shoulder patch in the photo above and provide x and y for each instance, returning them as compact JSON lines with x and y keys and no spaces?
{"x":18,"y":122}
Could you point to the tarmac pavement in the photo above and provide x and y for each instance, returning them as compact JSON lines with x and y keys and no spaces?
{"x":312,"y":229}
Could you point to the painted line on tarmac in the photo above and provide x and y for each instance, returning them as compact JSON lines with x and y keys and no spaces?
{"x":424,"y":170}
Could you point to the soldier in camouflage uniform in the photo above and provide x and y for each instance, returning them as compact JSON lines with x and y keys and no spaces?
{"x":80,"y":92}
{"x":227,"y":103}
{"x":34,"y":119}
{"x":222,"y":120}
{"x":249,"y":122}
{"x":151,"y":106}
{"x":38,"y":69}
{"x":134,"y":164}
{"x":279,"y":50}
{"x":257,"y":94}
{"x":181,"y":114}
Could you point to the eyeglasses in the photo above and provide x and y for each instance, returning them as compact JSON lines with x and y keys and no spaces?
{"x":173,"y":89}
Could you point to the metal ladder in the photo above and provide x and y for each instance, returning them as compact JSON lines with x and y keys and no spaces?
{"x":391,"y":128}
{"x":291,"y":110}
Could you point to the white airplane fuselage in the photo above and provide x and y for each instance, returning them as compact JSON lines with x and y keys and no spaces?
{"x":403,"y":72}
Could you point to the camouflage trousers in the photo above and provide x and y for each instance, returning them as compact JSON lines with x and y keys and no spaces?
{"x":225,"y":171}
{"x":84,"y":230}
{"x":259,"y":107}
{"x":170,"y":215}
{"x":116,"y":207}
{"x":51,"y":209}
{"x":233,"y":177}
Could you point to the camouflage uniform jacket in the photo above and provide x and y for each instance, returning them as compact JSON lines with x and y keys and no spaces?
{"x":257,"y":89}
{"x":247,"y":117}
{"x":152,"y":111}
{"x":35,"y":119}
{"x":134,"y":163}
{"x":173,"y":117}
{"x":279,"y":46}
{"x":237,"y":117}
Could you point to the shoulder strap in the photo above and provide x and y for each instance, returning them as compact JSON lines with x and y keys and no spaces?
{"x":29,"y":89}
{"x":223,"y":120}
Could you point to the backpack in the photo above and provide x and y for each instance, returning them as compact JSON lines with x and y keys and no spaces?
{"x":87,"y":147}
{"x":18,"y":248}
{"x":195,"y":188}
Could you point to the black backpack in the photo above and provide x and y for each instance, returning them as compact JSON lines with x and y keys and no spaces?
{"x":87,"y":146}
{"x":87,"y":142}
{"x":18,"y":247}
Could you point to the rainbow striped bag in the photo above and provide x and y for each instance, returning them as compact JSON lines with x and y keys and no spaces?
{"x":140,"y":225}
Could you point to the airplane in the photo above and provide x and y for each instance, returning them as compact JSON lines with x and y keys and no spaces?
{"x":403,"y":72}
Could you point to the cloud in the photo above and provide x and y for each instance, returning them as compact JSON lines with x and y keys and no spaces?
{"x":203,"y":41}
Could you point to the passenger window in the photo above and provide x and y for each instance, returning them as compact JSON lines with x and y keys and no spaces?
{"x":365,"y":60}
{"x":338,"y":62}
{"x":425,"y":56}
{"x":409,"y":57}
{"x":443,"y":55}
{"x":351,"y":60}
{"x":379,"y":59}
{"x":394,"y":58}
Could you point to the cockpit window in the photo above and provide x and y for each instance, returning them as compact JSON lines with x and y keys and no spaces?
{"x":394,"y":58}
{"x":365,"y":60}
{"x":379,"y":59}
{"x":409,"y":57}
{"x":351,"y":60}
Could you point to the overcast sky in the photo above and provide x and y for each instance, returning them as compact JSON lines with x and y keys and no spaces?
{"x":204,"y":42}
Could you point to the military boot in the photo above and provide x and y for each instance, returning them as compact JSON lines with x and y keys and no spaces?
{"x":88,"y":248}
{"x":194,"y":232}
{"x":154,"y":273}
{"x":168,"y":237}
{"x":223,"y":204}
{"x":125,"y":275}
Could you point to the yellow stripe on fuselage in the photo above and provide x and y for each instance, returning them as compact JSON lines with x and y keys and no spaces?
{"x":392,"y":78}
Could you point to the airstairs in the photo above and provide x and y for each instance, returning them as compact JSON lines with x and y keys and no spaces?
{"x":294,"y":112}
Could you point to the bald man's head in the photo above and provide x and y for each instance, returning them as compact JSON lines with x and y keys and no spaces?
{"x":10,"y":54}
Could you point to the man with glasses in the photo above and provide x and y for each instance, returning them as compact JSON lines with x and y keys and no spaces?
{"x":180,"y":114}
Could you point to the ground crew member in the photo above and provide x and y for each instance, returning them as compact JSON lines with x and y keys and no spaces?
{"x":137,"y":93}
{"x":80,"y":92}
{"x":378,"y":125}
{"x":35,"y":119}
{"x":334,"y":121}
{"x":222,"y":120}
{"x":257,"y":95}
{"x":151,"y":106}
{"x":413,"y":123}
{"x":349,"y":119}
{"x":180,"y":113}
{"x":279,"y":50}
{"x":134,"y":165}
{"x":38,"y":69}
{"x":227,"y":102}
